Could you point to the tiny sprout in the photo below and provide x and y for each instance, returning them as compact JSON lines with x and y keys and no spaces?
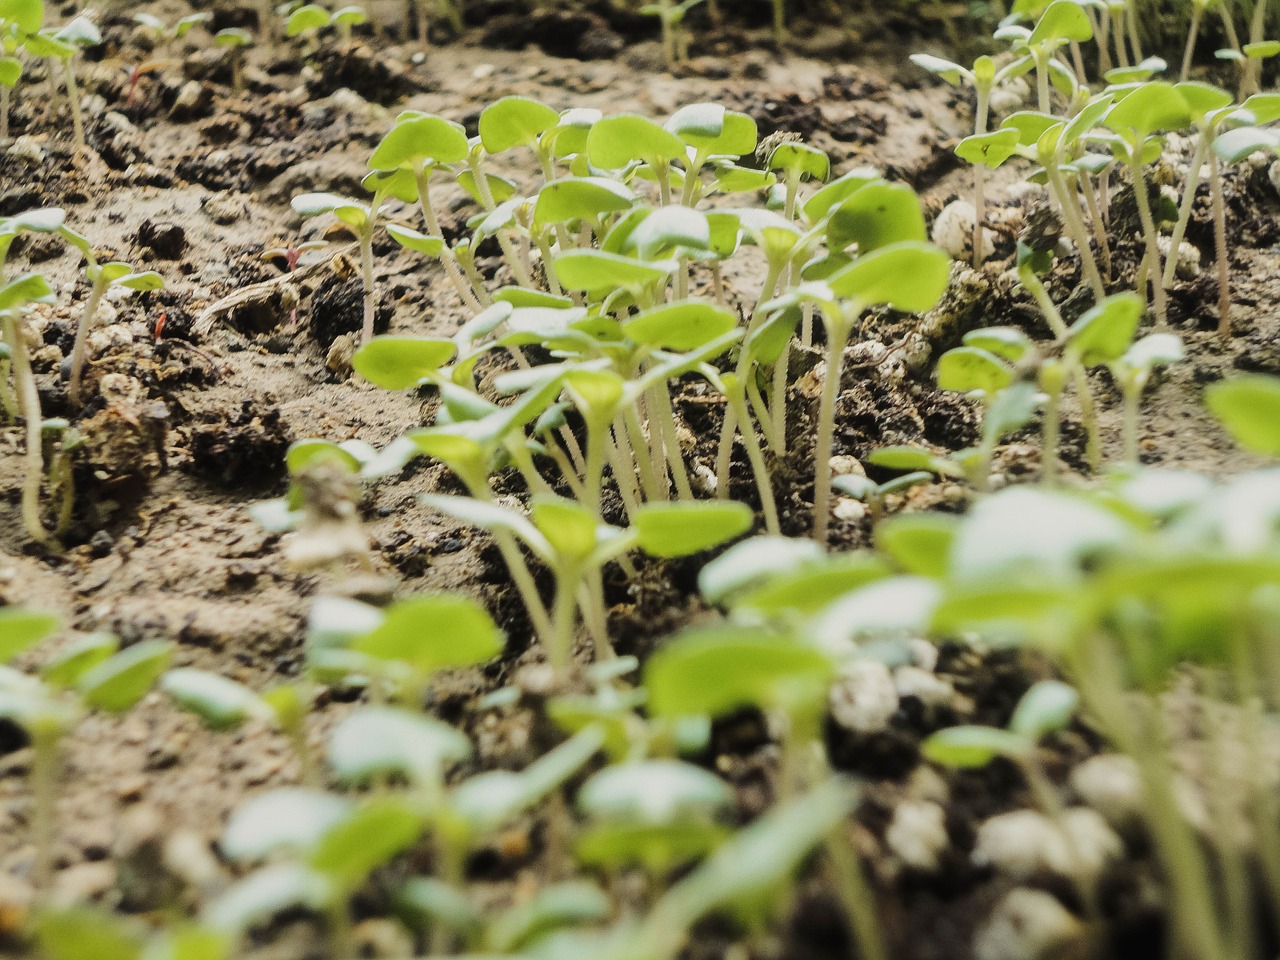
{"x":234,"y":40}
{"x":62,"y":45}
{"x":1132,"y":371}
{"x":658,"y":813}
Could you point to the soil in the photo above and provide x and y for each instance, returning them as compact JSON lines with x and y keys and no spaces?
{"x":194,"y":408}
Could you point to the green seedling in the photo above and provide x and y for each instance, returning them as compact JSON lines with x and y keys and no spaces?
{"x":47,"y":709}
{"x":312,"y":18}
{"x":1132,"y":371}
{"x":1062,"y":23}
{"x":102,"y":278}
{"x":452,"y":10}
{"x":235,"y":40}
{"x":15,"y":298}
{"x":656,"y":813}
{"x":163,"y":35}
{"x":63,"y":45}
{"x":675,"y":42}
{"x":1233,"y":146}
{"x":19,"y":19}
{"x":363,"y":221}
{"x":1135,"y":119}
{"x":714,"y":671}
{"x":895,"y":268}
{"x":982,"y":149}
{"x":332,"y":847}
{"x":61,"y":442}
{"x":747,"y":873}
{"x":421,"y":143}
{"x":1211,"y":108}
{"x":573,"y":542}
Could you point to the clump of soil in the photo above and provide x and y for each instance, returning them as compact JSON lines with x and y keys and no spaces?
{"x":239,"y":449}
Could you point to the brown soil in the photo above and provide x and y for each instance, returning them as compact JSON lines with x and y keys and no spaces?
{"x":163,"y":546}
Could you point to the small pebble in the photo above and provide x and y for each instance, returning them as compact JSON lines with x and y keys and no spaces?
{"x":1028,"y":925}
{"x":917,"y":835}
{"x":863,"y":699}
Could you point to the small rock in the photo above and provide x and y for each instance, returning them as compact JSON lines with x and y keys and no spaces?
{"x":1027,"y":925}
{"x":166,"y":240}
{"x":192,"y":100}
{"x":381,"y":937}
{"x":953,"y":231}
{"x":226,"y":208}
{"x":341,"y":351}
{"x":924,"y":685}
{"x":188,"y":856}
{"x":26,"y":148}
{"x":844,"y":465}
{"x":848,"y":510}
{"x":864,"y":699}
{"x":917,"y":835}
{"x":1109,"y":783}
{"x":1026,"y":844}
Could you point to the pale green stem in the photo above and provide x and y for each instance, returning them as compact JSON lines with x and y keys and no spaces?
{"x":96,"y":293}
{"x":1153,"y":248}
{"x":366,"y":281}
{"x":1070,"y":205}
{"x":1220,"y":248}
{"x":73,"y":94}
{"x":764,"y":485}
{"x":855,"y":895}
{"x":1192,"y":32}
{"x":1188,"y":203}
{"x":563,"y":616}
{"x":838,"y":329}
{"x":423,"y":177}
{"x":660,"y":411}
{"x":779,"y":398}
{"x":1052,"y":430}
{"x":29,"y":403}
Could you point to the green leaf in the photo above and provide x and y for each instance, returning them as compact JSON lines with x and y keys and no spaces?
{"x":22,"y":629}
{"x":1010,"y":343}
{"x":28,"y":288}
{"x":919,"y":543}
{"x":351,"y":16}
{"x":1261,"y":50}
{"x":1045,"y":708}
{"x":144,"y":282}
{"x":800,"y":160}
{"x":420,"y":139}
{"x":971,"y":747}
{"x":571,"y":904}
{"x":377,"y":741}
{"x":79,"y":32}
{"x":837,"y":191}
{"x":812,"y":587}
{"x":233,"y":37}
{"x":433,"y":632}
{"x":910,"y":276}
{"x":952,"y":73}
{"x":513,"y":122}
{"x":1153,"y":106}
{"x":1204,"y":98}
{"x":682,"y":325}
{"x":1104,"y":332}
{"x":751,"y":562}
{"x":990,"y":149}
{"x":682,"y":528}
{"x":714,"y":671}
{"x":418,"y":242}
{"x":670,"y":231}
{"x":287,"y":818}
{"x":309,"y":17}
{"x":65,"y":669}
{"x":87,"y":933}
{"x":1249,"y":408}
{"x":887,"y":608}
{"x":714,"y":130}
{"x":905,"y":457}
{"x":304,"y":454}
{"x":10,"y":71}
{"x":268,"y":892}
{"x":1063,"y":21}
{"x":222,"y":703}
{"x":967,"y":369}
{"x":26,"y":15}
{"x":399,"y":362}
{"x":365,"y":839}
{"x":574,"y":199}
{"x":594,"y":270}
{"x":616,"y":141}
{"x":120,"y":681}
{"x":572,"y":530}
{"x":1234,"y":145}
{"x":877,"y":215}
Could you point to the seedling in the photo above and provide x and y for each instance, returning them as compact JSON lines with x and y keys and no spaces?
{"x":164,"y":35}
{"x":80,"y":680}
{"x":1249,"y":407}
{"x":575,"y":545}
{"x":312,"y":18}
{"x":1136,"y":118}
{"x":102,"y":278}
{"x":675,"y":42}
{"x":63,"y":45}
{"x":15,"y":299}
{"x":235,"y":40}
{"x":1132,"y":371}
{"x":19,"y":19}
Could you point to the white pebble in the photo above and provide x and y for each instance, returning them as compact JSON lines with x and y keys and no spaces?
{"x":917,"y":835}
{"x":1027,"y":925}
{"x":863,"y":699}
